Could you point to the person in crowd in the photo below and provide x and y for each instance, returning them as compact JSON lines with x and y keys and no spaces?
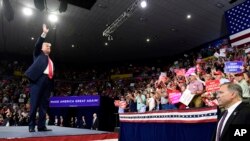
{"x":151,"y":102}
{"x":95,"y":122}
{"x":236,"y":112}
{"x":82,"y":123}
{"x":132,"y":104}
{"x":47,"y":120}
{"x":40,"y":74}
{"x":196,"y":87}
{"x":72,"y":122}
{"x":61,"y":121}
{"x":219,"y":76}
{"x":1,"y":120}
{"x":240,"y":79}
{"x":122,"y":105}
{"x":209,"y":98}
{"x":56,"y":121}
{"x":140,"y":99}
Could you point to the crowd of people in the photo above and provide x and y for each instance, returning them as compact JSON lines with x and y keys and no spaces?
{"x":146,"y":88}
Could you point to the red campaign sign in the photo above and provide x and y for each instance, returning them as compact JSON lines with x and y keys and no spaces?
{"x":212,"y":85}
{"x":174,"y":97}
{"x":119,"y":103}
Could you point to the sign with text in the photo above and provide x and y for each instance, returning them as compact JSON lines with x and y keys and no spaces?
{"x":174,"y":97}
{"x":212,"y":85}
{"x":186,"y":97}
{"x":233,"y":67}
{"x":75,"y":101}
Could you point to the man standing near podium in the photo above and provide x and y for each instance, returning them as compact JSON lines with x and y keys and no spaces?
{"x":40,"y":74}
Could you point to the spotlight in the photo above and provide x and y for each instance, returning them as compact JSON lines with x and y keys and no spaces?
{"x":143,"y":4}
{"x":63,"y":6}
{"x":8,"y":10}
{"x":53,"y":18}
{"x":27,"y":11}
{"x":39,"y":4}
{"x":189,"y":16}
{"x":147,"y":40}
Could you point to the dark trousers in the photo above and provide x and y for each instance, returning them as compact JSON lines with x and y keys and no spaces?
{"x":39,"y":98}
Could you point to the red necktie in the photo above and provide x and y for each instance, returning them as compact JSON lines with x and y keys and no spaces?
{"x":50,"y":68}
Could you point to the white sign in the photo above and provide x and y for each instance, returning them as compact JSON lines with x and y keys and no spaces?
{"x":186,"y":97}
{"x":217,"y":55}
{"x":247,"y":50}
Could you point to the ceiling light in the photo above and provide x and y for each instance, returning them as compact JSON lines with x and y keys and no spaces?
{"x":27,"y":11}
{"x":32,"y":38}
{"x":188,"y":16}
{"x":143,"y":4}
{"x":106,"y":44}
{"x":72,"y":46}
{"x":148,"y":40}
{"x":173,"y":29}
{"x":53,"y":18}
{"x":219,"y":5}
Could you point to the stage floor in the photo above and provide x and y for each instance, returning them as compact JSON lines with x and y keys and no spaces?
{"x":17,"y":132}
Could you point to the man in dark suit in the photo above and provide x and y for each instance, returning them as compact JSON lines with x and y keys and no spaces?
{"x":236,"y":112}
{"x":40,"y":74}
{"x":95,"y":122}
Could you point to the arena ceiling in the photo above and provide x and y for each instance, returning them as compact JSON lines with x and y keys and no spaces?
{"x":164,"y":22}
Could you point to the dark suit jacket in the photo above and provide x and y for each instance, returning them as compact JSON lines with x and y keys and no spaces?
{"x":40,"y":62}
{"x":95,"y":124}
{"x":240,"y":116}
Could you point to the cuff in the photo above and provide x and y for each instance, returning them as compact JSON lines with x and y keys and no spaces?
{"x":43,"y":35}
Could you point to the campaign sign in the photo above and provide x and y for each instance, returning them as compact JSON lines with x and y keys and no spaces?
{"x":75,"y":101}
{"x":174,"y":97}
{"x":186,"y":97}
{"x":233,"y":67}
{"x":212,"y":85}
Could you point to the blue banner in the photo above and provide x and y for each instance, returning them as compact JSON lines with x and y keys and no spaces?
{"x":233,"y":67}
{"x":75,"y":101}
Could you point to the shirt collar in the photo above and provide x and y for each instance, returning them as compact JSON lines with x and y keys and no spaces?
{"x":232,"y":108}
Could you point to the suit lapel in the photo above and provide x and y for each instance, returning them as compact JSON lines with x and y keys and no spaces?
{"x":231,"y":118}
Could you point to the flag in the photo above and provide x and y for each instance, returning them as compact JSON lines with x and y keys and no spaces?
{"x":238,"y":24}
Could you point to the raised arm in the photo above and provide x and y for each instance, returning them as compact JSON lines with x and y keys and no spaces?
{"x":40,"y":40}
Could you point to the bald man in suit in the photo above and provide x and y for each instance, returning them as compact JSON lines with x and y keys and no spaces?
{"x":236,"y":112}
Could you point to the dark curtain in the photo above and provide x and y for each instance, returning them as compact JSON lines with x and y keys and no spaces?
{"x":166,"y":131}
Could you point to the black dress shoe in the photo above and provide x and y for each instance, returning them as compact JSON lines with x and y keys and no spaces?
{"x":43,"y":129}
{"x":32,"y":129}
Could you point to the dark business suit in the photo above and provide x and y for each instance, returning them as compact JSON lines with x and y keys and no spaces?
{"x":95,"y":124}
{"x":240,"y":116}
{"x":40,"y":86}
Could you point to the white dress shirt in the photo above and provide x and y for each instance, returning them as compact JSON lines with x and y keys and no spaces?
{"x":230,"y":111}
